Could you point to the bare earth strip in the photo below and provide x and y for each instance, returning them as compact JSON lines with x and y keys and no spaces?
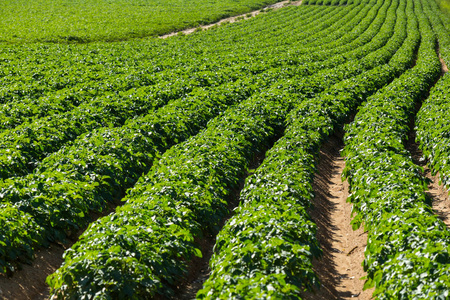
{"x":340,"y":268}
{"x":444,"y":66}
{"x":29,"y":283}
{"x":235,"y":18}
{"x":199,"y":268}
{"x":437,"y":192}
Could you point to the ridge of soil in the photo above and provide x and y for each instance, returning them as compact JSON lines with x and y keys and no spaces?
{"x":234,"y":19}
{"x":340,"y":268}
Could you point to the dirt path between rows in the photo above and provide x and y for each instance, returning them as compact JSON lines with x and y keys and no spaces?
{"x":340,"y":268}
{"x":437,"y":192}
{"x":444,"y":66}
{"x":199,"y":269}
{"x":235,"y":18}
{"x":29,"y":283}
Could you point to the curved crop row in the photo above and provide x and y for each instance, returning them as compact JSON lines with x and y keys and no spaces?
{"x":57,"y":207}
{"x":174,"y":192}
{"x":65,"y":99}
{"x":109,"y":75}
{"x":150,"y":239}
{"x":146,"y":196}
{"x":265,"y":250}
{"x":73,"y":71}
{"x":432,"y":123}
{"x":92,"y":66}
{"x":23,"y":147}
{"x":98,"y":167}
{"x":407,"y":252}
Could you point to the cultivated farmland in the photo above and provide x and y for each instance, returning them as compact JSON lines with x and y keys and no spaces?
{"x":208,"y":165}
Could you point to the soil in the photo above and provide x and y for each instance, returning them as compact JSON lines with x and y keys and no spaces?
{"x":199,"y":269}
{"x":235,"y":18}
{"x":29,"y":283}
{"x":437,"y":192}
{"x":444,"y":66}
{"x":340,"y":269}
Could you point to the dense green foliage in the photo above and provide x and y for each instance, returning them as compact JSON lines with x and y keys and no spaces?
{"x":171,"y":128}
{"x":272,"y":225}
{"x":408,"y":250}
{"x":445,"y":6}
{"x":24,"y":146}
{"x":432,"y":119}
{"x":100,"y":165}
{"x":79,"y":264}
{"x":109,"y":20}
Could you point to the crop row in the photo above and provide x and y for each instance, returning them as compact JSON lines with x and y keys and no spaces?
{"x":433,"y":126}
{"x":91,"y":70}
{"x":149,"y":68}
{"x":176,"y":186}
{"x":25,"y":146}
{"x":150,"y":239}
{"x":407,"y":251}
{"x":97,"y":75}
{"x":100,"y":165}
{"x":254,"y":251}
{"x":105,"y":75}
{"x":67,"y":99}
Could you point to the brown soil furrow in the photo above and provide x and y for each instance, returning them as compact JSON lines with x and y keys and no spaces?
{"x":340,"y":269}
{"x":234,"y":19}
{"x":437,"y":192}
{"x":29,"y":283}
{"x":199,"y":269}
{"x":444,"y":66}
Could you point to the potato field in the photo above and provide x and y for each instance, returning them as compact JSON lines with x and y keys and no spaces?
{"x":191,"y":166}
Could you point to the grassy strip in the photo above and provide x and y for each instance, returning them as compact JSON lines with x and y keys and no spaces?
{"x":84,"y":21}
